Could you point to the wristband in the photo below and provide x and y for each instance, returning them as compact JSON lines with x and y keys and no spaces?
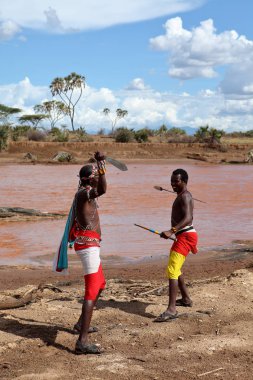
{"x":101,"y":167}
{"x":173,"y":229}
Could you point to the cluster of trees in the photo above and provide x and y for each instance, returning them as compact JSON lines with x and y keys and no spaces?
{"x":69,"y":90}
{"x":204,"y":134}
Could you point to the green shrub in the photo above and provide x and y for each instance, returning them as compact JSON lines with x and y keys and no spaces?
{"x":19,"y":131}
{"x":141,"y":135}
{"x":249,"y":133}
{"x":82,"y":135}
{"x":4,"y":134}
{"x":175,"y":132}
{"x":124,"y":135}
{"x":59,"y":135}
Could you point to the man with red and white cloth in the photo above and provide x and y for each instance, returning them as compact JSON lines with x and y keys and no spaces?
{"x":85,"y":234}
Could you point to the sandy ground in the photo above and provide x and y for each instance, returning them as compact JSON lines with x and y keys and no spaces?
{"x":211,"y":340}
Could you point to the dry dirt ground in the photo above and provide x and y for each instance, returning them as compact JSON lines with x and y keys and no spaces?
{"x":81,"y":151}
{"x":211,"y":340}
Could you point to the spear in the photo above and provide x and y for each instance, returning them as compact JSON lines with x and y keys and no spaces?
{"x":153,"y":231}
{"x":169,"y":191}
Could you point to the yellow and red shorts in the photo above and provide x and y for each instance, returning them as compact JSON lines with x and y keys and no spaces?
{"x":186,"y":242}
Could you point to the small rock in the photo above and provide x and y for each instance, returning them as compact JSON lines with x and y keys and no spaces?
{"x":63,"y":157}
{"x":30,"y":156}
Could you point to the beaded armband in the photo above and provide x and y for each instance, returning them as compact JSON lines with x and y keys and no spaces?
{"x":173,"y":229}
{"x":101,"y":167}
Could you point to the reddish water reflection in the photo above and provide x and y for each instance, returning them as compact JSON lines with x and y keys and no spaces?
{"x":130,"y":199}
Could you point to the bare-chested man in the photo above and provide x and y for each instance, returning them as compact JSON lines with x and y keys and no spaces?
{"x":182,"y":228}
{"x":86,"y":234}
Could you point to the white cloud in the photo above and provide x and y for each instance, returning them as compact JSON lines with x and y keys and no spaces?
{"x":52,"y":20}
{"x":146,"y":108}
{"x":137,"y":84}
{"x":238,"y":80}
{"x":23,"y":94}
{"x":197,"y":53}
{"x":248,"y":89}
{"x":150,"y":110}
{"x":207,"y":93}
{"x":65,"y":16}
{"x":8,"y":29}
{"x":237,"y":108}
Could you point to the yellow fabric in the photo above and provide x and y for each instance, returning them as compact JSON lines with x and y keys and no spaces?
{"x":176,"y":261}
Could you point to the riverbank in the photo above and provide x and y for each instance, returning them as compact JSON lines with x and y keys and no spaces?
{"x":213,"y":338}
{"x":43,"y":152}
{"x":197,"y":267}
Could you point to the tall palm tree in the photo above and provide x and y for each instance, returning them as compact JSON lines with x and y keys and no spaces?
{"x":69,"y":89}
{"x":120,"y":114}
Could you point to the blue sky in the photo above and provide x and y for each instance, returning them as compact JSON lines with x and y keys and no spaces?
{"x":178,"y":62}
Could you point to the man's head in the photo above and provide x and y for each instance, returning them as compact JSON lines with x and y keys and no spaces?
{"x":88,"y":174}
{"x":179,"y":180}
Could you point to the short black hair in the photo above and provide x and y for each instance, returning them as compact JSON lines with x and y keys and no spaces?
{"x":183,"y":173}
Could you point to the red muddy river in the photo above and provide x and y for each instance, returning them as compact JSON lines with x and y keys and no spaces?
{"x":130,"y":199}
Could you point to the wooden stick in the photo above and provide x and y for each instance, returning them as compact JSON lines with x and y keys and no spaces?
{"x":153,"y":231}
{"x":169,"y":191}
{"x":207,"y":373}
{"x":153,"y":290}
{"x":191,"y":373}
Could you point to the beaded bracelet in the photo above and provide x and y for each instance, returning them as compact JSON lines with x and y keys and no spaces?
{"x":101,"y":167}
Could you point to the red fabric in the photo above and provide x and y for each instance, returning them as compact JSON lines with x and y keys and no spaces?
{"x":94,"y":282}
{"x":186,"y":242}
{"x":78,"y":232}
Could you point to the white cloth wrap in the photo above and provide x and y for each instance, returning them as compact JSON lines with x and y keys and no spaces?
{"x":90,"y":258}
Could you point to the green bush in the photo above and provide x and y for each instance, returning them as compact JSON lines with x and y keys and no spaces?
{"x":249,"y":133}
{"x":4,"y":134}
{"x":59,"y":135}
{"x":19,"y":131}
{"x":141,"y":135}
{"x":124,"y":135}
{"x":82,"y":135}
{"x":240,"y":134}
{"x":175,"y":132}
